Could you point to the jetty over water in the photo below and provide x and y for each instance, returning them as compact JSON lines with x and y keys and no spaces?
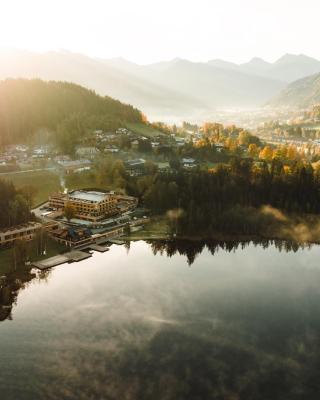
{"x":72,"y":256}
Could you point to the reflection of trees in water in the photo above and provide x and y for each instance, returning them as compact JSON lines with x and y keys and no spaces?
{"x":18,"y":279}
{"x":44,"y":275}
{"x":192,"y":248}
{"x":10,"y":286}
{"x":127,"y":244}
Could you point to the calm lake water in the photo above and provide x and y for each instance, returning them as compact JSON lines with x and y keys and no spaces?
{"x":166,"y":321}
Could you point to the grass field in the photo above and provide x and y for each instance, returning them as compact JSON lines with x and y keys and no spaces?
{"x":157,"y":228}
{"x":144,"y":130}
{"x":45,"y":182}
{"x":84,"y":180}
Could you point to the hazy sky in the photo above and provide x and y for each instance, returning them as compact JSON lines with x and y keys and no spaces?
{"x":152,"y":30}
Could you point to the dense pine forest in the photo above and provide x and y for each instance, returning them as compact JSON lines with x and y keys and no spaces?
{"x":14,"y":205}
{"x":232,"y":199}
{"x":66,"y":110}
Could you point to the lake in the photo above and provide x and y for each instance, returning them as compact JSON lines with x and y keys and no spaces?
{"x":177,"y":320}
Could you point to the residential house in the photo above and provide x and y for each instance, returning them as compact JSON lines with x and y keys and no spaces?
{"x":135,"y":167}
{"x":75,"y":165}
{"x":86,"y":151}
{"x":189,"y":163}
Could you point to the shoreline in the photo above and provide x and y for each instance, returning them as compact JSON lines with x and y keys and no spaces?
{"x":159,"y":232}
{"x":219,"y":238}
{"x":302,"y":229}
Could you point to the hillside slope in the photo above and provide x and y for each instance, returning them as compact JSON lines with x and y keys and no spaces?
{"x":27,"y":106}
{"x":302,"y":93}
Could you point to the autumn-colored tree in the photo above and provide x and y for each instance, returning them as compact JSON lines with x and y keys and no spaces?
{"x":266,"y":153}
{"x":287,"y":169}
{"x":277,"y":154}
{"x":231,"y":144}
{"x":144,"y":118}
{"x":69,"y":211}
{"x":316,"y":170}
{"x":292,"y":153}
{"x":243,"y":138}
{"x":253,"y":150}
{"x":214,"y":129}
{"x":282,"y":151}
{"x":201,"y":143}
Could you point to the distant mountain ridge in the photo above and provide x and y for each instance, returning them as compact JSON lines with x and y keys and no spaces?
{"x":210,"y":85}
{"x":178,"y":88}
{"x":288,"y":68}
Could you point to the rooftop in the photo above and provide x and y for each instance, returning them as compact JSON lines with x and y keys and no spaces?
{"x":74,"y":163}
{"x":95,"y":197}
{"x":188,"y":160}
{"x":137,"y":161}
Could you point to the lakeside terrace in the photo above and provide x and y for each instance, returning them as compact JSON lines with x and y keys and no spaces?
{"x":25,"y":232}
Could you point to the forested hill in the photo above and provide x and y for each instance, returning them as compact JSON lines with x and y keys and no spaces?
{"x":29,"y":106}
{"x":303,"y":93}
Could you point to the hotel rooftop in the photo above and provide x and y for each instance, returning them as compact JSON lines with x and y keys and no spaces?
{"x":93,"y":197}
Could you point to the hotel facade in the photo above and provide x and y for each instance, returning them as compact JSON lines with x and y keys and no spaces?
{"x":93,"y":206}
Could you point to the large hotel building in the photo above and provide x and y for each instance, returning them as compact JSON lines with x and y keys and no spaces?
{"x":93,"y":206}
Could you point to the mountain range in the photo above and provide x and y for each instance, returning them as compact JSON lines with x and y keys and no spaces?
{"x":210,"y":86}
{"x":287,"y":69}
{"x":165,"y":90}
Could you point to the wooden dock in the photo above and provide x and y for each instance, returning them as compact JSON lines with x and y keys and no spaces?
{"x":77,"y":255}
{"x":50,"y":262}
{"x":116,"y":241}
{"x":98,"y":247}
{"x":70,"y":257}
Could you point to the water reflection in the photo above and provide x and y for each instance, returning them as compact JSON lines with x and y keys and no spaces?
{"x":191,"y":249}
{"x":242,"y":324}
{"x":16,"y":280}
{"x":10,"y":285}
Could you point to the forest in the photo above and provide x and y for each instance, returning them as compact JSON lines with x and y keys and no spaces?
{"x":31,"y":108}
{"x":14,"y":204}
{"x":235,"y":199}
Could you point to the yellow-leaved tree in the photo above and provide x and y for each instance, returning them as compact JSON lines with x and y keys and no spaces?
{"x":266,"y":153}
